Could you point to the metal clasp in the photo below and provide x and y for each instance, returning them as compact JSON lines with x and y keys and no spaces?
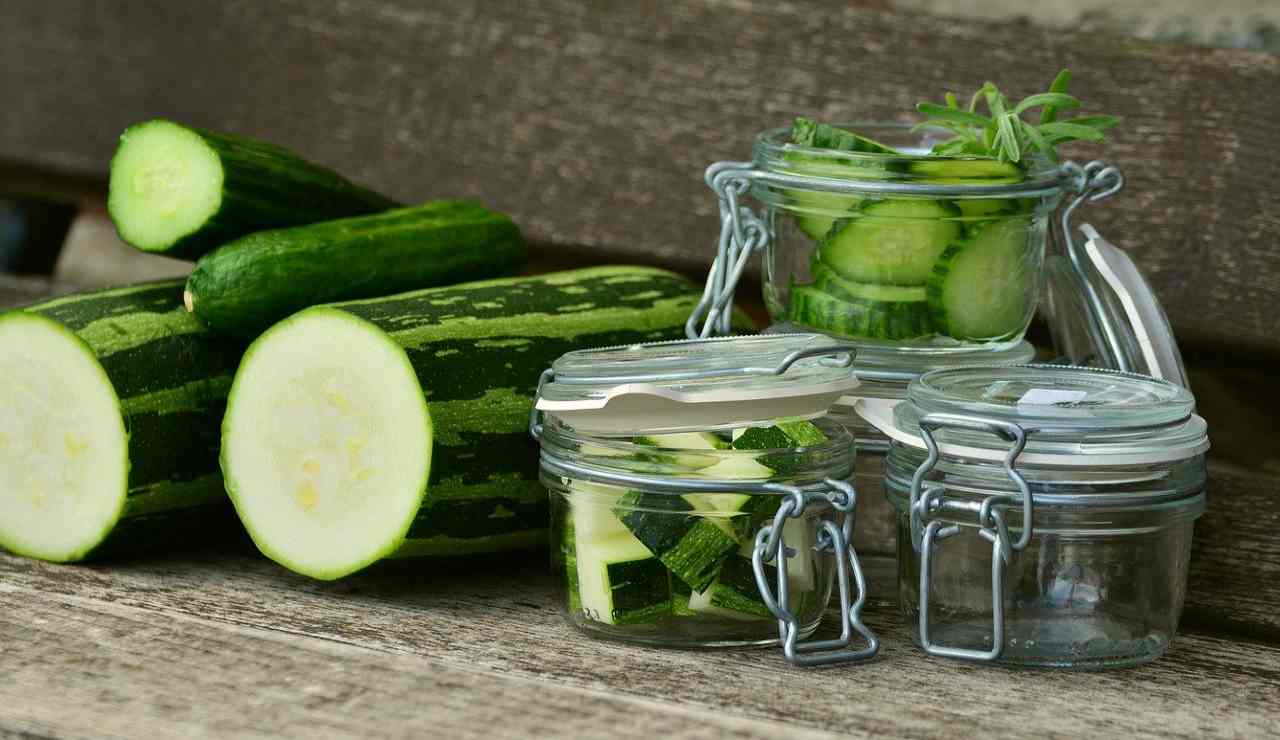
{"x":927,"y":533}
{"x":770,"y":546}
{"x":742,"y":233}
{"x":1093,"y":182}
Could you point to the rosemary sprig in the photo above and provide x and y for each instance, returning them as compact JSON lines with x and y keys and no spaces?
{"x":1002,"y":132}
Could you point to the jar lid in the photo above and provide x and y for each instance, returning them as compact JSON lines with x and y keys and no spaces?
{"x":1072,"y":416}
{"x":1103,"y":313}
{"x":698,"y":384}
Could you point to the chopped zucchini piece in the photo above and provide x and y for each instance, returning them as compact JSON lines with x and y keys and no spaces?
{"x":620,"y":582}
{"x":983,"y":288}
{"x":691,"y":546}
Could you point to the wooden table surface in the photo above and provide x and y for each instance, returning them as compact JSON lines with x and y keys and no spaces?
{"x":222,"y":643}
{"x":219,"y":642}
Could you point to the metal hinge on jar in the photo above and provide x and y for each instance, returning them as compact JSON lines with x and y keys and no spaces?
{"x":928,"y":532}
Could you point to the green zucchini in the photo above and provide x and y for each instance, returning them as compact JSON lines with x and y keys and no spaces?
{"x":620,"y":582}
{"x":432,"y":387}
{"x":786,"y":435}
{"x":691,"y":545}
{"x":859,"y":318}
{"x":984,"y":288}
{"x":110,"y":404}
{"x":966,"y":171}
{"x":250,"y":283}
{"x":894,"y":242}
{"x":182,"y":191}
{"x":734,"y":594}
{"x":816,"y":210}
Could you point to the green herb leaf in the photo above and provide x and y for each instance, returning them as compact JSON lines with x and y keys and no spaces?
{"x":1059,"y":85}
{"x":1072,"y":131}
{"x":1055,"y":100}
{"x":1098,"y":122}
{"x":1038,"y":141}
{"x":939,"y":112}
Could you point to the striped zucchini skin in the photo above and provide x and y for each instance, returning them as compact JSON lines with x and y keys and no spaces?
{"x":248,"y":284}
{"x":264,"y":186}
{"x":860,"y":318}
{"x":479,"y":349}
{"x":172,"y":377}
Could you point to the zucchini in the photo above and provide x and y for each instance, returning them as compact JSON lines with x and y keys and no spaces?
{"x":816,"y":210}
{"x":734,"y":594}
{"x":341,"y":413}
{"x":808,"y":133}
{"x":966,"y":171}
{"x":859,"y":318}
{"x":110,"y":404}
{"x":826,"y":280}
{"x":250,"y":283}
{"x":691,"y":545}
{"x":182,"y":191}
{"x":621,"y":582}
{"x":782,"y":436}
{"x":894,"y":242}
{"x":983,"y":288}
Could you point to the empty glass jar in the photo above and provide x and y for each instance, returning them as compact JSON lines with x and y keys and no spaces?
{"x":1044,"y":513}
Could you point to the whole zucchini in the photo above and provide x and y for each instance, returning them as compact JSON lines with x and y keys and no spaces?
{"x":181,"y":191}
{"x":398,"y":426}
{"x":249,"y":284}
{"x":110,"y":405}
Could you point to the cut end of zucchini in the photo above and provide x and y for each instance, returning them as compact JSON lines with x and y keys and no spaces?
{"x":166,"y":183}
{"x":326,"y":443}
{"x":189,"y":300}
{"x":63,"y":447}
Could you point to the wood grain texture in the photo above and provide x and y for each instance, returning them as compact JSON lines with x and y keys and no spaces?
{"x":76,"y":666}
{"x":260,"y":649}
{"x":591,"y":125}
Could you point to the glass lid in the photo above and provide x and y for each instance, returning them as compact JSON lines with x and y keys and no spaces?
{"x":1102,"y":312}
{"x":699,"y":383}
{"x":1053,"y":398}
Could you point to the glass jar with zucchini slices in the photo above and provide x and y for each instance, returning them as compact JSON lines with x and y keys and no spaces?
{"x":699,"y":496}
{"x":872,"y":236}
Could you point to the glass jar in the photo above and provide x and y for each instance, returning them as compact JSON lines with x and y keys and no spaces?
{"x":884,"y":376}
{"x":1109,"y":470}
{"x":918,"y":252}
{"x":699,"y":496}
{"x":643,"y":563}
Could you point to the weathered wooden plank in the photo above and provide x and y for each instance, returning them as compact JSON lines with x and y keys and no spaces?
{"x":499,"y":617}
{"x":79,"y":667}
{"x":592,"y":126}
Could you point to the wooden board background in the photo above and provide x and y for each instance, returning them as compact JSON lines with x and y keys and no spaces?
{"x":591,"y":124}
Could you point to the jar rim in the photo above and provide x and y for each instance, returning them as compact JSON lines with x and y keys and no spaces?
{"x":901,"y":174}
{"x":611,"y":455}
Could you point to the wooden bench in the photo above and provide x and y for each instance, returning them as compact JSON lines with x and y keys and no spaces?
{"x":591,"y":126}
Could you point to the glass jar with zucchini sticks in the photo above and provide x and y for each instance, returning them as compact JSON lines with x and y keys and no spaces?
{"x":699,"y":496}
{"x":1044,"y":513}
{"x":887,"y":244}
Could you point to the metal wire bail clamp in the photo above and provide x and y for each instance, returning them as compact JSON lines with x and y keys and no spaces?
{"x":770,"y":545}
{"x":1093,"y":182}
{"x":928,"y":533}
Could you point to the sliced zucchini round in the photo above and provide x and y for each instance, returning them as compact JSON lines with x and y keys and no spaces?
{"x":166,"y":183}
{"x":326,"y":445}
{"x":64,"y":451}
{"x":892,"y":242}
{"x":983,"y":288}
